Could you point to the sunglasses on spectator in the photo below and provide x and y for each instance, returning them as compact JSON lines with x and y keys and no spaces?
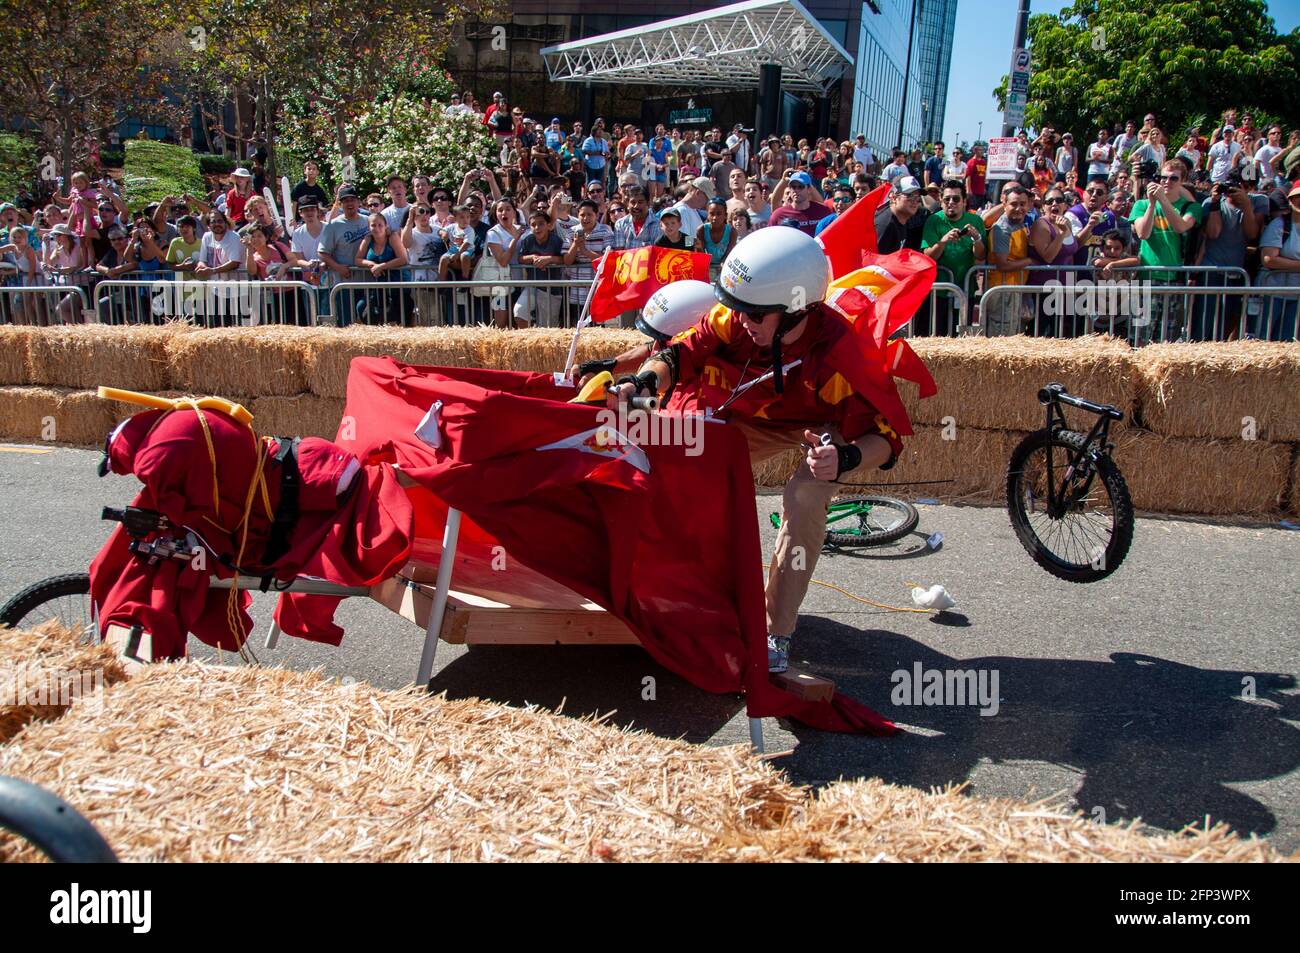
{"x":952,"y":198}
{"x":1168,"y":178}
{"x":843,"y":199}
{"x":442,"y":198}
{"x":1053,"y":199}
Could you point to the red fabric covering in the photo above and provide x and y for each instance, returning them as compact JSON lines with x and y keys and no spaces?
{"x":851,"y":238}
{"x":628,"y":278}
{"x":666,"y":542}
{"x":361,"y":540}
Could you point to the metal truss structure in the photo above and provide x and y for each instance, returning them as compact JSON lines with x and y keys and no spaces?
{"x":718,"y":48}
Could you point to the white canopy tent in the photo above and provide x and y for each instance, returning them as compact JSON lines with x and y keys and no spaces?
{"x":723,"y":48}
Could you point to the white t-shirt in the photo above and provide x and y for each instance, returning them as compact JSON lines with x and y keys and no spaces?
{"x":692,"y":219}
{"x":304,"y":243}
{"x":421,"y":250}
{"x":497,"y":235}
{"x":864,"y":155}
{"x":1263,"y":156}
{"x":1223,"y":155}
{"x":1099,"y":158}
{"x":215,"y":253}
{"x":742,"y":154}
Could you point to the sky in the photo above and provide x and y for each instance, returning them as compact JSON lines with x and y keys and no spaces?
{"x":982,"y":53}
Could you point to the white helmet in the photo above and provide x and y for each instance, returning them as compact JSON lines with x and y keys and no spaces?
{"x":774,"y":268}
{"x":674,"y":308}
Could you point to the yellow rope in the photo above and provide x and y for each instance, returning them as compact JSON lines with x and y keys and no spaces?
{"x":857,"y":598}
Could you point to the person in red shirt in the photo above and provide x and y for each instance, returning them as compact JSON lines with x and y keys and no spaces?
{"x":240,"y":192}
{"x":976,"y":186}
{"x":774,"y":360}
{"x":802,"y":208}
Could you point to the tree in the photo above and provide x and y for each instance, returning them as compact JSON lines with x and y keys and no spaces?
{"x":74,"y":66}
{"x":1104,"y":61}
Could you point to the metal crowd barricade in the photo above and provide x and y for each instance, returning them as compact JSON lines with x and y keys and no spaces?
{"x":948,"y":313}
{"x":1145,"y":314}
{"x":43,"y":305}
{"x":1215,"y":312}
{"x":548,"y":303}
{"x":212,"y":303}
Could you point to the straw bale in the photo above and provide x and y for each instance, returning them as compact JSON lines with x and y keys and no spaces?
{"x":993,"y":383}
{"x":304,"y":415}
{"x":330,"y":352}
{"x":264,"y":361}
{"x":1294,"y":507}
{"x":975,"y":462}
{"x":84,"y":357}
{"x":42,"y":657}
{"x":1208,"y":390}
{"x":187,"y":762}
{"x":14,"y":343}
{"x":1195,"y":475}
{"x":545,"y":349}
{"x":33,"y":414}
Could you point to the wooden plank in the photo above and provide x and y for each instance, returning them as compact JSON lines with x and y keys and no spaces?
{"x":805,"y":684}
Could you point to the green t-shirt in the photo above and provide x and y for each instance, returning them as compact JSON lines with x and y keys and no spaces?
{"x":178,"y":251}
{"x":959,"y":256}
{"x":1164,"y":246}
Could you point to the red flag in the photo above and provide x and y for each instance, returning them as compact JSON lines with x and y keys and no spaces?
{"x":879,"y":298}
{"x":661,"y":533}
{"x":628,"y":278}
{"x":852,"y":236}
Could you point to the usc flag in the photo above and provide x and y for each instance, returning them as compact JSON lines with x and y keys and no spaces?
{"x":628,"y":278}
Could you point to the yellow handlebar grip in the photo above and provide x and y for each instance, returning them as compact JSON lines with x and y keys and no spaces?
{"x":593,"y":392}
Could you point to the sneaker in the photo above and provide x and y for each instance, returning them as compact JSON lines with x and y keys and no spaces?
{"x":778,"y":653}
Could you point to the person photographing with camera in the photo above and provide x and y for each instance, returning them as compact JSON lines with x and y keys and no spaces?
{"x":956,"y":239}
{"x":773,"y":359}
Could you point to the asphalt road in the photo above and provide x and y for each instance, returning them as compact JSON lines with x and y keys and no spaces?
{"x":1167,"y":692}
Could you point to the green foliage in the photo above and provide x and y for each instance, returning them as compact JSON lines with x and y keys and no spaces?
{"x":213,"y":164}
{"x":17,"y":165}
{"x":154,"y":170}
{"x":1105,"y":61}
{"x":400,"y":137}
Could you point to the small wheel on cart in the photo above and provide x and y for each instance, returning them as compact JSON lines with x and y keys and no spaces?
{"x":869,"y":520}
{"x":65,"y":598}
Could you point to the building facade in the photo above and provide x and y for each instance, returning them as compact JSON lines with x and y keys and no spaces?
{"x":903,"y":57}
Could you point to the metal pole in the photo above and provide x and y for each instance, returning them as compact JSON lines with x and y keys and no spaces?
{"x":584,"y":318}
{"x":446,"y":561}
{"x":1021,"y":37}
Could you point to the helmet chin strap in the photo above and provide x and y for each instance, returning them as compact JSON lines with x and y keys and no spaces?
{"x":784,"y":326}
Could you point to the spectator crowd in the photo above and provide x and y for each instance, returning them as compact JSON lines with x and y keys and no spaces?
{"x":1123,"y":206}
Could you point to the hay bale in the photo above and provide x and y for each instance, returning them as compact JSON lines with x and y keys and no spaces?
{"x":304,"y":415}
{"x":132,"y":358}
{"x":54,"y":415}
{"x":330,"y":351}
{"x":1211,"y":477}
{"x":14,"y":343}
{"x":193,"y":763}
{"x":545,"y":349}
{"x":265,"y":361}
{"x":48,"y":664}
{"x":993,"y":383}
{"x":1210,"y":389}
{"x":1294,"y":507}
{"x":975,"y":461}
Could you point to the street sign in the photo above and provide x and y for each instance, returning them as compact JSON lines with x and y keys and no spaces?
{"x":1002,"y":158}
{"x":1017,"y":88}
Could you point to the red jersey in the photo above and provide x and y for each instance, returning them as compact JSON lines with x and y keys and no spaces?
{"x":717,"y":355}
{"x":975,"y":170}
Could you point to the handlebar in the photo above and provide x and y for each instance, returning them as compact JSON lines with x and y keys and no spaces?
{"x":1057,"y":392}
{"x":139,"y":522}
{"x":644,"y":403}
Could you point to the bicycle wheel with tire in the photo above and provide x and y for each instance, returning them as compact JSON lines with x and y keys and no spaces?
{"x":870,"y":520}
{"x":66,"y":598}
{"x":1087,"y":538}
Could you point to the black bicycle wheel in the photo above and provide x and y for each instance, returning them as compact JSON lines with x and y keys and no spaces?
{"x":66,"y":598}
{"x":888,"y":519}
{"x":1090,"y":537}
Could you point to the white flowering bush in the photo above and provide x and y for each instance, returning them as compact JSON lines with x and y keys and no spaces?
{"x":406,"y":136}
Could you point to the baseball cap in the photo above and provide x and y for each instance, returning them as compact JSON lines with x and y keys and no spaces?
{"x":802,"y":178}
{"x":347,"y":192}
{"x":704,"y":184}
{"x":308,"y":202}
{"x":670,"y":213}
{"x":6,"y":206}
{"x":907,"y":185}
{"x":554,"y":120}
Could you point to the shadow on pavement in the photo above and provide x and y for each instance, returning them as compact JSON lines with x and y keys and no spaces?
{"x":1151,"y":738}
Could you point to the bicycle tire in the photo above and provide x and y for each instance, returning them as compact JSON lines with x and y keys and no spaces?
{"x":24,"y":609}
{"x":905,"y":520}
{"x":1100,"y":561}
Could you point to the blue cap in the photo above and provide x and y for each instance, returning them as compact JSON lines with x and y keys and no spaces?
{"x":802,"y":178}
